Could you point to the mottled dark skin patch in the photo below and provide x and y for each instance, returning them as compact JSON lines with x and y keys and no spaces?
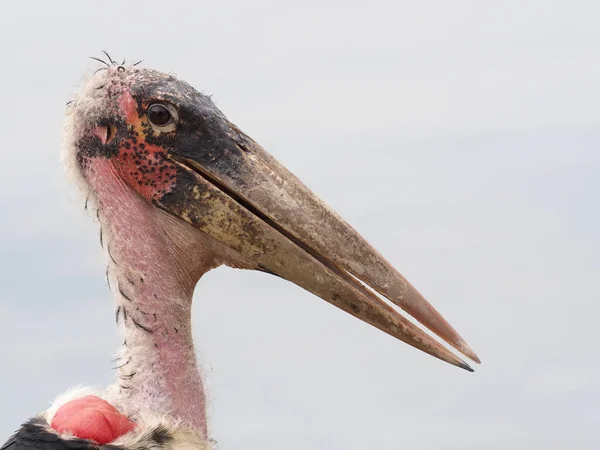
{"x":141,"y":154}
{"x":181,"y":195}
{"x":142,"y":165}
{"x":90,"y":146}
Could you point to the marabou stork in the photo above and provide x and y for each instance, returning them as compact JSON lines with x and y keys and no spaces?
{"x":180,"y":190}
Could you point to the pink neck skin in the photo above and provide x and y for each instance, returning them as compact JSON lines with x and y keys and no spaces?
{"x":156,"y":261}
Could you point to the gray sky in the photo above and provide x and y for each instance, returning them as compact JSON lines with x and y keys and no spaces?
{"x":460,"y":138}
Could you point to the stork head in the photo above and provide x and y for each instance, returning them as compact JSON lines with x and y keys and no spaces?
{"x":169,"y":145}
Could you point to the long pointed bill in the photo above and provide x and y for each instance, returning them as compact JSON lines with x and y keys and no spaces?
{"x":232,"y":189}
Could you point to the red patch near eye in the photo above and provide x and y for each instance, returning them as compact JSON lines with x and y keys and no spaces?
{"x":128,"y":106}
{"x":142,"y":165}
{"x":91,"y":418}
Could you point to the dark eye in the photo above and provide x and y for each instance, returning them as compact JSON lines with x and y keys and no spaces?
{"x":159,"y":115}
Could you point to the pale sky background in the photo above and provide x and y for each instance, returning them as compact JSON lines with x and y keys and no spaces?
{"x":461,"y":138}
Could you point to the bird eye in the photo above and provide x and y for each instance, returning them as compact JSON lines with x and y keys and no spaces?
{"x":159,"y":115}
{"x":162,"y":116}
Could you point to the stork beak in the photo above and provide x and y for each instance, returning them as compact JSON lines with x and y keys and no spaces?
{"x":229,"y":187}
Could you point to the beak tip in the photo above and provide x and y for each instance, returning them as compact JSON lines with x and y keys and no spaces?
{"x":464,"y":348}
{"x":468,"y":368}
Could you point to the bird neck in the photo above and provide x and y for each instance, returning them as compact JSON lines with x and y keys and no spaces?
{"x":155,"y":262}
{"x":157,"y":367}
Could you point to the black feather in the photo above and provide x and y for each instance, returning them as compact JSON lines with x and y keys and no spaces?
{"x":35,"y":435}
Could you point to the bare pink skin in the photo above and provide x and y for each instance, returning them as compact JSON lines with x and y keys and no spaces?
{"x":157,"y":262}
{"x":155,"y":259}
